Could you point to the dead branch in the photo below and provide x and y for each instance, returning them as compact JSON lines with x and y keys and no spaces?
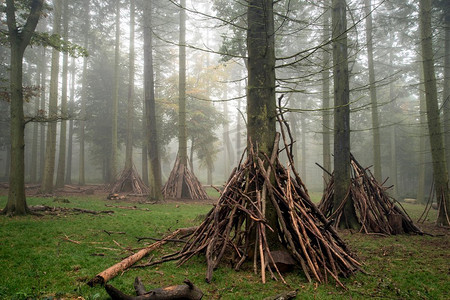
{"x":112,"y":271}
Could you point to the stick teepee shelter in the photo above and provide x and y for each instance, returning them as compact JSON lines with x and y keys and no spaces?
{"x":376,"y":211}
{"x":129,"y":181}
{"x":236,"y":227}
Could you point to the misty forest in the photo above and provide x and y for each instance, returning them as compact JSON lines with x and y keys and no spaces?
{"x":224,"y":149}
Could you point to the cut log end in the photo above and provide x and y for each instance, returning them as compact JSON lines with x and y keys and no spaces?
{"x":97,"y":280}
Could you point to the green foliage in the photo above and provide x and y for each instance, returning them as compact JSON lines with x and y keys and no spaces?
{"x":57,"y":42}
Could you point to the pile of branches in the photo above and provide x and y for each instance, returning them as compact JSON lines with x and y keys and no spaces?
{"x":376,"y":211}
{"x":182,"y":184}
{"x":236,"y":227}
{"x":130,"y":182}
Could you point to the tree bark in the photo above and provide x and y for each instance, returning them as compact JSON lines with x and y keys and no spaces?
{"x":35,"y":138}
{"x":182,"y":134}
{"x":19,"y":40}
{"x":81,"y":162}
{"x":393,"y":168}
{"x":152,"y":144}
{"x":115,"y":104}
{"x":60,"y":174}
{"x":434,"y":124}
{"x":130,"y":107}
{"x":71,"y":112}
{"x":261,"y":102}
{"x":326,"y":126}
{"x":373,"y":93}
{"x":446,"y":93}
{"x":50,"y":149}
{"x":422,"y":138}
{"x":341,"y":115}
{"x":42,"y":105}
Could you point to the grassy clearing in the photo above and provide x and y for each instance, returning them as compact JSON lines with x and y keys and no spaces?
{"x":38,"y":260}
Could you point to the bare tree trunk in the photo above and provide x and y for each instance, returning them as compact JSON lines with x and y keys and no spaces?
{"x":34,"y":145}
{"x":7,"y":162}
{"x":182,"y":138}
{"x":145,"y":154}
{"x":261,"y":102}
{"x":303,"y":134}
{"x":226,"y":138}
{"x":63,"y":133}
{"x":81,"y":169}
{"x":422,"y":141}
{"x":19,"y":41}
{"x":152,"y":145}
{"x":71,"y":111}
{"x":446,"y":93}
{"x":373,"y":93}
{"x":393,"y":169}
{"x":238,"y":124}
{"x":115,"y":104}
{"x":326,"y":125}
{"x":130,"y":107}
{"x":341,"y":115}
{"x":434,"y":124}
{"x":50,"y":149}
{"x":42,"y":105}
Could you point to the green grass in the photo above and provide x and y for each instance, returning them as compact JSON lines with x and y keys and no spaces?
{"x":38,"y":262}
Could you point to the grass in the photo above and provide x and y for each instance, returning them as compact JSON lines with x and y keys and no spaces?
{"x":39,"y":262}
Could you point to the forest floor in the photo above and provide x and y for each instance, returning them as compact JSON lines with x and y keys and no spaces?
{"x":54,"y":255}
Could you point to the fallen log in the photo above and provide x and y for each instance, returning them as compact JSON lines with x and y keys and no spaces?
{"x":111,"y":272}
{"x":186,"y":291}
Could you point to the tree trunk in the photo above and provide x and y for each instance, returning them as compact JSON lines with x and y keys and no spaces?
{"x":130,"y":107}
{"x":182,"y":135}
{"x":303,"y":134}
{"x":81,"y":162}
{"x":63,"y":133}
{"x":7,"y":161}
{"x":326,"y":125}
{"x":238,"y":124}
{"x":261,"y":102}
{"x":50,"y":149}
{"x":152,"y":145}
{"x":446,"y":93}
{"x":42,"y":105}
{"x":393,"y":168}
{"x":373,"y":93}
{"x":115,"y":104}
{"x":19,"y":40}
{"x":434,"y":125}
{"x":35,"y":138}
{"x":209,"y":170}
{"x":16,"y":204}
{"x":422,"y":138}
{"x":341,"y":115}
{"x":71,"y":112}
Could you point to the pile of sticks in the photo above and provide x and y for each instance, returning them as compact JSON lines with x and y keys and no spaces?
{"x":182,"y":184}
{"x":236,"y":227}
{"x":129,"y":181}
{"x":376,"y":211}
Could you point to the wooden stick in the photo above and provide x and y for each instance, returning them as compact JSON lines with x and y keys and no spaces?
{"x":111,"y":272}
